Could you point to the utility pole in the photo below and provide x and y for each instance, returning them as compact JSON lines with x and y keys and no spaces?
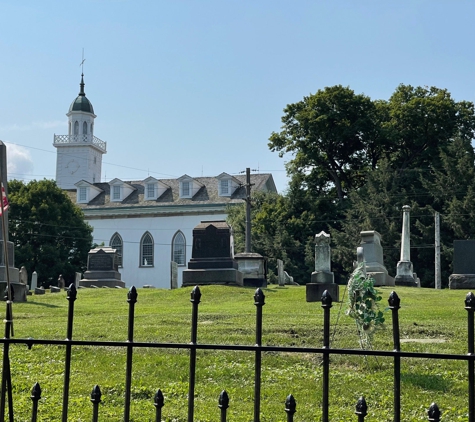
{"x":438,"y":284}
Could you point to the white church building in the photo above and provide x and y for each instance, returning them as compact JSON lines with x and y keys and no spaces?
{"x":149,"y":222}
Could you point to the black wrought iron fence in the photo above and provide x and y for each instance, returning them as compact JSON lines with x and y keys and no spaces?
{"x":290,"y":408}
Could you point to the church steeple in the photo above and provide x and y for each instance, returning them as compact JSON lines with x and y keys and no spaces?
{"x":81,"y":91}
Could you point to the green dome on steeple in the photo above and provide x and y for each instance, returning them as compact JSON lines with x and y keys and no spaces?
{"x":81,"y":103}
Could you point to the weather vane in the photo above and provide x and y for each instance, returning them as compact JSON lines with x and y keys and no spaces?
{"x":82,"y":63}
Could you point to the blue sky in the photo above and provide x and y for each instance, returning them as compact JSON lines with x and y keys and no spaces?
{"x":198,"y":86}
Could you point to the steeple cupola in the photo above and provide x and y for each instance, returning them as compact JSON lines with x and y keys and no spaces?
{"x":81,"y":103}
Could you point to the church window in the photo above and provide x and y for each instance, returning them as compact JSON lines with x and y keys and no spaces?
{"x":69,"y":126}
{"x":116,"y":193}
{"x":178,"y":248}
{"x":146,"y":250}
{"x":76,"y":127}
{"x":84,"y":128}
{"x":92,"y":125}
{"x":117,"y":244}
{"x":82,"y":194}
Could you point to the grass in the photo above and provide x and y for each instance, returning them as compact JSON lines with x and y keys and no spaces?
{"x":227,"y":316}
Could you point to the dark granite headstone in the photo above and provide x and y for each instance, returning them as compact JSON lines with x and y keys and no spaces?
{"x":463,"y":276}
{"x":102,"y":269}
{"x":212,"y":260}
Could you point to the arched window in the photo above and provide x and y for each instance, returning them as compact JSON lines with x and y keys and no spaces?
{"x":178,"y":248}
{"x":92,"y":126}
{"x":117,"y":244}
{"x":69,"y":129}
{"x":146,"y":250}
{"x":76,"y":127}
{"x":84,"y":128}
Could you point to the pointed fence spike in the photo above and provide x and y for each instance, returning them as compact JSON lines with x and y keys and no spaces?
{"x":158,"y":400}
{"x":327,"y":299}
{"x":434,"y":412}
{"x":394,"y":300}
{"x":72,"y":292}
{"x":195,"y":295}
{"x":223,"y":401}
{"x":36,"y":392}
{"x":470,"y":301}
{"x":290,"y":404}
{"x":132,"y":295}
{"x":259,"y":297}
{"x":96,"y":394}
{"x":361,"y":407}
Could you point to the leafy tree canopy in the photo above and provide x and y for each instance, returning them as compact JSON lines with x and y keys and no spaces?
{"x":48,"y":231}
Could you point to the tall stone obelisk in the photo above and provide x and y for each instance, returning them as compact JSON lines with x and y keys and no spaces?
{"x":20,"y":290}
{"x":405,"y":274}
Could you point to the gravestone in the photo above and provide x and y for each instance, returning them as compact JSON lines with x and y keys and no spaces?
{"x":212,"y":260}
{"x":253,"y":268}
{"x":280,"y":272}
{"x":463,"y":276}
{"x":102,"y":269}
{"x":322,"y":278}
{"x":34,"y":280}
{"x":7,"y":267}
{"x":77,"y":279}
{"x":404,"y":270}
{"x":23,"y":275}
{"x":61,"y":282}
{"x":373,"y":257}
{"x":173,"y":275}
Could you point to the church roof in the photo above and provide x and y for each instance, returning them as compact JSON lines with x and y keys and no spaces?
{"x":207,"y":195}
{"x":81,"y":103}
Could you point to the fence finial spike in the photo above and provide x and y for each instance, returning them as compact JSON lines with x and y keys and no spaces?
{"x":223,"y":401}
{"x":434,"y":412}
{"x":327,"y":299}
{"x":394,"y":300}
{"x":290,"y":404}
{"x":36,"y":392}
{"x":158,"y":400}
{"x":72,"y":292}
{"x":195,"y":295}
{"x":259,"y":297}
{"x":96,"y":394}
{"x":132,"y":295}
{"x":470,"y":301}
{"x":361,"y":407}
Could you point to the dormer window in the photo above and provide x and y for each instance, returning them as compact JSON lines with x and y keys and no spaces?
{"x":150,"y":189}
{"x":224,"y":185}
{"x":227,"y":184}
{"x":153,"y":188}
{"x":185,"y":189}
{"x":82,"y":195}
{"x":116,"y":193}
{"x":86,"y":192}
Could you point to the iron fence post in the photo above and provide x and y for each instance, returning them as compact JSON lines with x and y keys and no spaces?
{"x":434,"y":413}
{"x":394,"y":305}
{"x":35,"y":397}
{"x":326,"y":305}
{"x":470,"y":307}
{"x":158,"y":402}
{"x":361,"y":409}
{"x":195,"y":300}
{"x":259,"y":301}
{"x":95,"y":399}
{"x":223,"y":404}
{"x":71,"y":297}
{"x":290,"y":407}
{"x":132,"y":300}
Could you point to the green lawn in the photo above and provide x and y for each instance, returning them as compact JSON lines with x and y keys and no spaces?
{"x":227,"y":316}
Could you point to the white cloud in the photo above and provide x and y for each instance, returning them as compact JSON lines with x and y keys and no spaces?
{"x":19,"y":162}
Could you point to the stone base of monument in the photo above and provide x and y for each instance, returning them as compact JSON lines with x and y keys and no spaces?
{"x":381,"y":278}
{"x":218,"y":276}
{"x":462,"y":281}
{"x":404,"y":276}
{"x":322,"y":277}
{"x":314,"y":291}
{"x":101,"y":279}
{"x":20,"y":290}
{"x":252,"y":267}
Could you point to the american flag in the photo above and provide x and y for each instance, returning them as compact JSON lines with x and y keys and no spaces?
{"x":6,"y":204}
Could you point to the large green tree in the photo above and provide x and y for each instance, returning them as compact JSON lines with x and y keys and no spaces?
{"x":48,"y":231}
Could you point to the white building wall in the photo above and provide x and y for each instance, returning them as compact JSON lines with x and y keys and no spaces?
{"x":162,"y":230}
